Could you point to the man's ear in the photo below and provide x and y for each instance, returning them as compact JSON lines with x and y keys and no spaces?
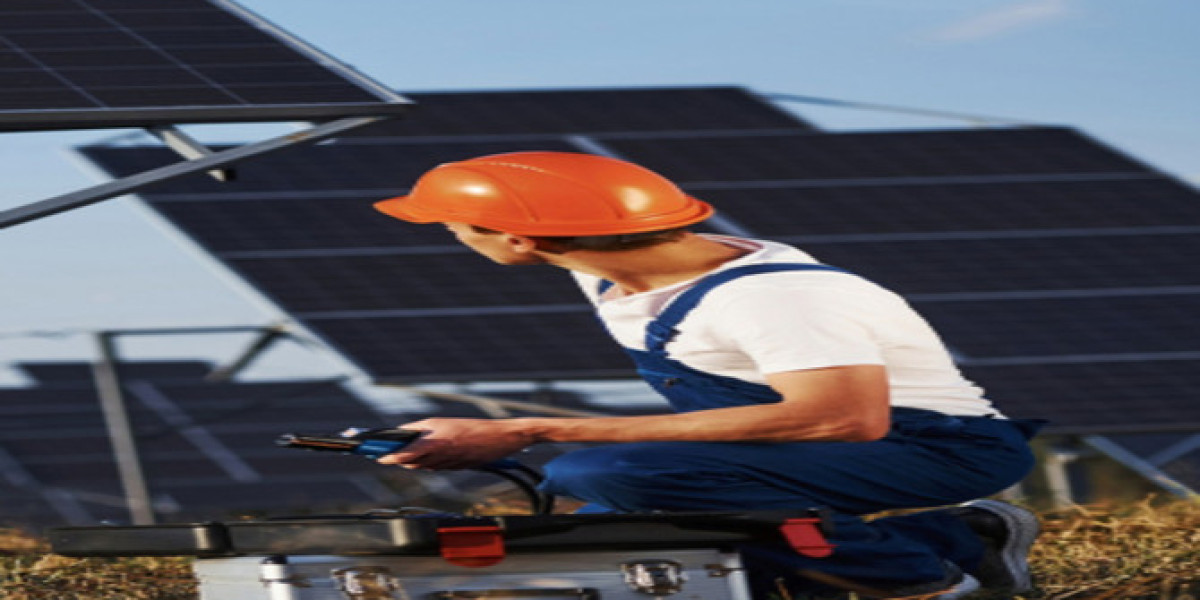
{"x":520,"y":243}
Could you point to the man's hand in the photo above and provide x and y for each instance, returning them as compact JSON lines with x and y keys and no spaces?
{"x":459,"y":443}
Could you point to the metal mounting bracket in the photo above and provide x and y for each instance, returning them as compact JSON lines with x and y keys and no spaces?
{"x":189,"y":148}
{"x":208,"y":162}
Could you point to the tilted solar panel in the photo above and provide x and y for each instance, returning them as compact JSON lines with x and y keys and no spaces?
{"x":75,"y":64}
{"x":206,"y":448}
{"x":1024,"y":246}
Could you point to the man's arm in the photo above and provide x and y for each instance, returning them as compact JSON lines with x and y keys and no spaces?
{"x":846,"y":404}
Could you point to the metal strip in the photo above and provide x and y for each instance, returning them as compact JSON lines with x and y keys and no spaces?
{"x":998,"y":234}
{"x":920,"y":180}
{"x":189,"y":148}
{"x":978,"y":120}
{"x":1139,"y":465}
{"x":408,"y":313}
{"x":199,"y":436}
{"x":327,"y":252}
{"x":1124,"y":292}
{"x":110,"y":118}
{"x":120,"y":431}
{"x":1072,"y":359}
{"x":1175,"y":451}
{"x":134,"y":183}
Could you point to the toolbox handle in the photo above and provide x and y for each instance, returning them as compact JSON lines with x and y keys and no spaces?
{"x":579,"y":593}
{"x":479,"y":546}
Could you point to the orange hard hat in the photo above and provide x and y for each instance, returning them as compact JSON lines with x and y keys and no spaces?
{"x":548,"y":194}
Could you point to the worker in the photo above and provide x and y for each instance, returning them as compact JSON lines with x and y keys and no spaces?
{"x":792,"y":383}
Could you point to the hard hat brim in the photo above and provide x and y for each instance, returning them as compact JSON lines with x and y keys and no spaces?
{"x":396,"y":207}
{"x":411,"y":211}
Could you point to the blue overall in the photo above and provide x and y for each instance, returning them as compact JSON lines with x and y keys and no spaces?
{"x":928,"y":459}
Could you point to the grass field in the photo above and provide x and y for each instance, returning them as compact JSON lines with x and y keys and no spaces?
{"x":1147,"y":550}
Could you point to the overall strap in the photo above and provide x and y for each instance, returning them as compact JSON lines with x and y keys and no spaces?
{"x":662,"y":329}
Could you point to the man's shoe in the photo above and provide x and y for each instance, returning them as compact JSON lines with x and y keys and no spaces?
{"x":962,"y":589}
{"x":1008,"y":532}
{"x":954,"y":582}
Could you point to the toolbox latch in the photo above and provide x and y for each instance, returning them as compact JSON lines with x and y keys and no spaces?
{"x":472,"y":546}
{"x":804,"y":536}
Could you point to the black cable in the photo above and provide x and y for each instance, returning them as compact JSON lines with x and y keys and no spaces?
{"x":535,"y":499}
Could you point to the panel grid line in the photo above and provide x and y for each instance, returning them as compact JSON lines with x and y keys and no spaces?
{"x":158,"y":50}
{"x":1117,"y":292}
{"x":52,"y":72}
{"x":1001,"y":234}
{"x":345,"y":252}
{"x":925,"y":180}
{"x":443,"y":312}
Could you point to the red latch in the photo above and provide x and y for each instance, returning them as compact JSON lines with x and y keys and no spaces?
{"x":476,"y":546}
{"x":804,"y":536}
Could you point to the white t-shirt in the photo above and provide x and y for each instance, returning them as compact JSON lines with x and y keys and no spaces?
{"x":794,"y":320}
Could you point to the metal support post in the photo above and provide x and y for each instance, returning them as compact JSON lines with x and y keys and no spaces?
{"x":1140,"y":466}
{"x":266,"y":338}
{"x":189,"y":148}
{"x":1055,"y":468}
{"x":120,"y":431}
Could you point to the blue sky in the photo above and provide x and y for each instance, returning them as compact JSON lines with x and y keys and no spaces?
{"x":1127,"y":73}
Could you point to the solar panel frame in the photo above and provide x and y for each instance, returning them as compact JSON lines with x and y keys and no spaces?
{"x":515,"y":114}
{"x":103,"y":64}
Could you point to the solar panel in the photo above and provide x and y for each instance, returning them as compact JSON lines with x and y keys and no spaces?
{"x":76,"y":374}
{"x":206,"y":448}
{"x":1102,"y":323}
{"x":1102,"y":396}
{"x":434,"y":283}
{"x":282,"y":201}
{"x":521,"y":113}
{"x":1026,"y":153}
{"x":74,"y":64}
{"x":307,"y":239}
{"x":1029,"y":247}
{"x":501,"y":345}
{"x":811,"y":211}
{"x":1019,"y":265}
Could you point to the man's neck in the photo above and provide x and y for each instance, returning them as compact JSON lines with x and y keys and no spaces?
{"x":658,"y":266}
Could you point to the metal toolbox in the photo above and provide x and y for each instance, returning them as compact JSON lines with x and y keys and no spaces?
{"x":451,"y":557}
{"x":178,"y":539}
{"x":686,"y":573}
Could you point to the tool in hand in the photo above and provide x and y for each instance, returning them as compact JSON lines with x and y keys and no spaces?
{"x":371,"y":443}
{"x":375,"y":443}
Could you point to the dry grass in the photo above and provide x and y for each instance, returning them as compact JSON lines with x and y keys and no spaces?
{"x":1147,"y":551}
{"x":28,"y":571}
